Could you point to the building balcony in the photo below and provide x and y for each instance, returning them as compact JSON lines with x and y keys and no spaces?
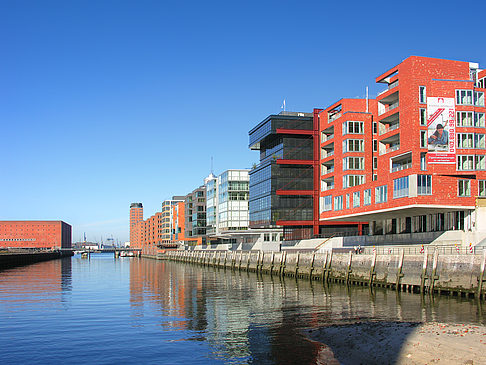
{"x":390,"y":86}
{"x":390,"y":149}
{"x":385,"y":128}
{"x":382,"y":109}
{"x":333,"y":117}
{"x":326,"y":138}
{"x":401,"y":167}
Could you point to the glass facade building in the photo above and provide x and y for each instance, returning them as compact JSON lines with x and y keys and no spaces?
{"x":282,"y":184}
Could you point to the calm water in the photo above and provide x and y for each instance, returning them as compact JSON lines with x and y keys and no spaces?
{"x":145,"y":311}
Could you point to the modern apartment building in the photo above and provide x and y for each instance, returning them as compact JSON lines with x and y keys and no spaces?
{"x":233,"y":191}
{"x":35,"y":234}
{"x":227,"y":202}
{"x":211,"y":185}
{"x":173,"y":222}
{"x":412,"y":161}
{"x":195,"y":216}
{"x":282,"y":185}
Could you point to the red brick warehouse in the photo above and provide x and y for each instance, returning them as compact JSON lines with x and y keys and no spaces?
{"x":35,"y":234}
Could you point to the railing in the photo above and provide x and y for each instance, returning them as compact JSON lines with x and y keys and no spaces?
{"x":391,"y":149}
{"x":389,"y":128}
{"x":391,"y":86}
{"x":385,"y":109}
{"x":334,"y":117}
{"x":327,"y":138}
{"x":329,"y":187}
{"x":402,"y":167}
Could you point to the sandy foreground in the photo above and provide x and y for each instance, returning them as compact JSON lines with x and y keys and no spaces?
{"x":400,"y":343}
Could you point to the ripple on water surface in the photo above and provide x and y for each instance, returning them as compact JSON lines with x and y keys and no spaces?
{"x":132,"y":310}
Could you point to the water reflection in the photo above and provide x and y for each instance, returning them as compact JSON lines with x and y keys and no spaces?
{"x":44,"y":283}
{"x":247,"y":317}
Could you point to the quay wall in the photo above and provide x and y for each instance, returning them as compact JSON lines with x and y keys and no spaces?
{"x":13,"y":259}
{"x":429,"y":272}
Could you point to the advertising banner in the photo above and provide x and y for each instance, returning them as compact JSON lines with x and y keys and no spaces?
{"x":441,"y":130}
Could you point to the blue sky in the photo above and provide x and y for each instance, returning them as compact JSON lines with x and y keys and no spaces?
{"x":104,"y":103}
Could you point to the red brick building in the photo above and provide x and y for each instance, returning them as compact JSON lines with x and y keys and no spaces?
{"x":165,"y":229}
{"x":136,"y":215}
{"x":35,"y":234}
{"x":414,"y":160}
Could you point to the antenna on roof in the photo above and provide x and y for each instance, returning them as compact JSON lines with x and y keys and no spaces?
{"x":367,"y":103}
{"x":283,"y":105}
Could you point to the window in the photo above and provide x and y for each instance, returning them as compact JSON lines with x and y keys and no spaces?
{"x":353,"y":145}
{"x":478,"y":98}
{"x":481,"y":83}
{"x":356,"y":199}
{"x":424,"y":184}
{"x":353,"y":163}
{"x":465,"y":140}
{"x":400,"y":187}
{"x":338,"y":202}
{"x":375,"y":177}
{"x":480,"y":162}
{"x":352,"y":127}
{"x":375,"y":128}
{"x":479,"y":120}
{"x":422,"y":95}
{"x":464,"y":119}
{"x":479,"y":141}
{"x":423,"y":116}
{"x":375,"y":145}
{"x":381,"y":194}
{"x":367,"y":197}
{"x":465,"y":162}
{"x":347,"y":201}
{"x":326,"y":203}
{"x":464,"y":97}
{"x":464,"y":188}
{"x":353,"y":180}
{"x":482,"y":188}
{"x":423,"y":161}
{"x":423,"y":139}
{"x":375,"y":162}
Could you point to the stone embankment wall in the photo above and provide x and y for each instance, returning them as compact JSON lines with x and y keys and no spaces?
{"x":423,"y":273}
{"x":13,"y":259}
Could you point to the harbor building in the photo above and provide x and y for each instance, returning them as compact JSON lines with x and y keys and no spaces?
{"x":136,"y":215}
{"x":410,"y":165}
{"x":284,"y":185}
{"x":173,"y":222}
{"x":282,"y":191}
{"x":227,"y":202}
{"x":35,"y":234}
{"x":195,"y":216}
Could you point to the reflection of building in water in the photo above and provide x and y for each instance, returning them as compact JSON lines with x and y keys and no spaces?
{"x":44,"y":283}
{"x":231,"y":311}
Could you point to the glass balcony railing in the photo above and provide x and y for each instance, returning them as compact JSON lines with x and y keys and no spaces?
{"x":386,"y":108}
{"x":389,"y":128}
{"x":334,"y":117}
{"x":402,"y":167}
{"x":390,"y":149}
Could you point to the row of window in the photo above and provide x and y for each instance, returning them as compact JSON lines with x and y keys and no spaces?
{"x":400,"y":189}
{"x":16,"y":239}
{"x":463,"y":97}
{"x":471,"y":162}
